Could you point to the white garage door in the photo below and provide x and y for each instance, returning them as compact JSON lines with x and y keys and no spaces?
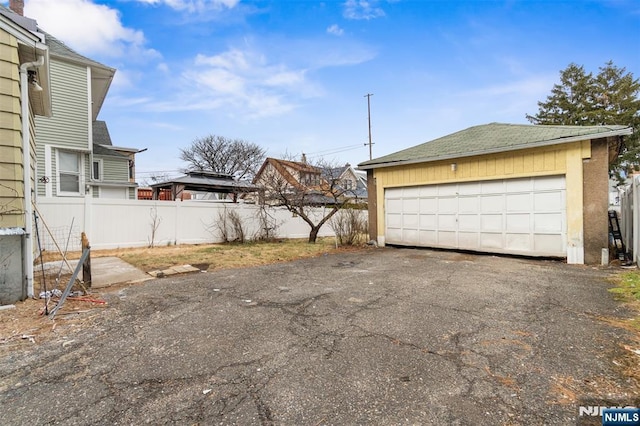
{"x":523,"y":216}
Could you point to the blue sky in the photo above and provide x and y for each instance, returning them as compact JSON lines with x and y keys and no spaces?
{"x":292,"y":76}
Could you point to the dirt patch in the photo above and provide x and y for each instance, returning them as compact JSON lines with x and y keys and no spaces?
{"x":27,"y":324}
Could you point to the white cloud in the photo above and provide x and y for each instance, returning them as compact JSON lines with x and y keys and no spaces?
{"x":193,"y":6}
{"x":245,"y":81}
{"x":89,"y":28}
{"x":362,"y":9}
{"x":335,"y":30}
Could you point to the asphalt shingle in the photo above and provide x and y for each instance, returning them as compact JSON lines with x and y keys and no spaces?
{"x":490,"y":138}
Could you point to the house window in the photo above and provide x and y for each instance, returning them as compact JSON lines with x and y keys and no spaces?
{"x":310,"y":179}
{"x":96,"y":170}
{"x":69,"y":172}
{"x":132,"y":170}
{"x":348,"y":184}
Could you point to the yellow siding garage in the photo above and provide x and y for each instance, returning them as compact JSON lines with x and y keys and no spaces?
{"x":498,"y":188}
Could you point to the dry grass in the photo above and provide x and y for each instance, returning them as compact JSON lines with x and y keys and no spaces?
{"x":215,"y":256}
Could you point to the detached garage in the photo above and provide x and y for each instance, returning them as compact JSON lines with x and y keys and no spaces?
{"x":501,"y":188}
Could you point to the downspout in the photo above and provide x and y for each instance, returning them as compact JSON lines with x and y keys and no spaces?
{"x":26,"y":167}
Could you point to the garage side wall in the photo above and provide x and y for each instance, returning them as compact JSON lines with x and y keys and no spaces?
{"x":565,"y":159}
{"x":596,"y":201}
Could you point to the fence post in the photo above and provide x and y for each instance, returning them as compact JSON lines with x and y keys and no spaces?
{"x":86,"y":266}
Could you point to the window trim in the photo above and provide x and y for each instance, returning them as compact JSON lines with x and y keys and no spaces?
{"x":80,"y":173}
{"x":100,"y":177}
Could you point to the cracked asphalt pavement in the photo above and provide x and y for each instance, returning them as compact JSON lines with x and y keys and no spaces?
{"x":379,"y":336}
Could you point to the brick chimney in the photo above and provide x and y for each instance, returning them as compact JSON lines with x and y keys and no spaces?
{"x":17,"y":6}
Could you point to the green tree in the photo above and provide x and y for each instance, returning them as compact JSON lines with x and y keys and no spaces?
{"x":610,"y":97}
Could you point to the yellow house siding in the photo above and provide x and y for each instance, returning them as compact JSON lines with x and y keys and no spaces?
{"x":11,"y":184}
{"x":563,"y":159}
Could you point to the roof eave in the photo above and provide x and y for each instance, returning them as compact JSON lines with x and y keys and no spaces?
{"x":610,"y":133}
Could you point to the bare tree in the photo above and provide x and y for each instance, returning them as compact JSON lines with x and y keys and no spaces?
{"x":302,"y":188}
{"x":235,"y":157}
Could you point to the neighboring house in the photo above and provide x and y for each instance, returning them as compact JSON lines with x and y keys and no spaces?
{"x":315,"y":181}
{"x":112,"y":167}
{"x":354,"y":182}
{"x":24,"y":94}
{"x":287,"y":175}
{"x":74,"y":150}
{"x":505,"y":188}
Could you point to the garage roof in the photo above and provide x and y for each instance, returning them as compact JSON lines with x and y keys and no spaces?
{"x":492,"y":138}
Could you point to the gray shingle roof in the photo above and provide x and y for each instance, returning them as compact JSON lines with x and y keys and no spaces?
{"x":492,"y":138}
{"x":58,"y":48}
{"x":101,"y":133}
{"x":106,"y":152}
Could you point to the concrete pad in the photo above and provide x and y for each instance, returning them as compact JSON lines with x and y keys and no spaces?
{"x":106,"y":271}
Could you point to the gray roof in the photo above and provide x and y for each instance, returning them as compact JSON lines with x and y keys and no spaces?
{"x":101,"y":133}
{"x":58,"y":48}
{"x":209,"y":182}
{"x":26,"y":23}
{"x":492,"y":138}
{"x":105,"y":151}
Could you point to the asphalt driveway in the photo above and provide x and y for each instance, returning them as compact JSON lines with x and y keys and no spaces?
{"x":382,"y":336}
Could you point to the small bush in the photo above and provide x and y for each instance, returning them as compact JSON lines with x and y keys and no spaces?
{"x":229,"y":226}
{"x":350,"y":226}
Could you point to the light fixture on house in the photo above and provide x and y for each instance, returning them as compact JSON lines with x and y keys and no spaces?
{"x":33,"y":80}
{"x":454,"y":167}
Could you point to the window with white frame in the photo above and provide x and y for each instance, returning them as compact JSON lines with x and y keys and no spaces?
{"x":96,"y":170}
{"x":69,"y":172}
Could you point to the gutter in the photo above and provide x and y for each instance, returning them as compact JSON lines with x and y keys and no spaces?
{"x":26,"y":168}
{"x":620,"y":132}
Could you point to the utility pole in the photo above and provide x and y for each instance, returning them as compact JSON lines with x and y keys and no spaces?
{"x":368,"y":96}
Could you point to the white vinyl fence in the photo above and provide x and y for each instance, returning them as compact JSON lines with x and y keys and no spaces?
{"x":111,"y":223}
{"x":630,"y":218}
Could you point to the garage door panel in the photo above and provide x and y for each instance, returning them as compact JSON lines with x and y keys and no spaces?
{"x":428,"y":238}
{"x":469,"y":188}
{"x":410,"y":221}
{"x":447,"y":222}
{"x":448,"y":205}
{"x":549,"y":183}
{"x":491,"y":240}
{"x":410,"y":205}
{"x":428,"y":191}
{"x":548,"y":222}
{"x":518,"y":242}
{"x":394,"y":221}
{"x":492,"y":187}
{"x":393,"y":205}
{"x":447,"y":190}
{"x":518,"y":202}
{"x":491,"y":222}
{"x":469,"y":240}
{"x":548,"y":243}
{"x":523,"y":215}
{"x":411,"y":236}
{"x":520,"y":222}
{"x":468,"y":222}
{"x":548,"y":201}
{"x":447,"y":239}
{"x":428,"y":221}
{"x":411,"y":192}
{"x":492,"y":203}
{"x":428,"y":205}
{"x":518,"y":185}
{"x":468,"y":204}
